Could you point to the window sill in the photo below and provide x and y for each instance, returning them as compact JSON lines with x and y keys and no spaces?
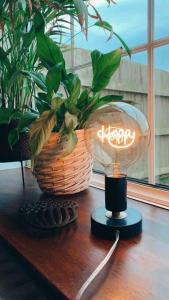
{"x":140,"y":192}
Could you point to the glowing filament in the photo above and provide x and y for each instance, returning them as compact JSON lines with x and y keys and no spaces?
{"x":117,"y":137}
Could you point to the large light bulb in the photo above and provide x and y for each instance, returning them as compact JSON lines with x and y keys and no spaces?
{"x":116,"y":135}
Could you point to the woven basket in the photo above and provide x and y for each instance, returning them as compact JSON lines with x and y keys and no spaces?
{"x":58,"y":175}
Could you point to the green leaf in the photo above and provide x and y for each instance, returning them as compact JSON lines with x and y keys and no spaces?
{"x":73,"y":85}
{"x":95,"y":103}
{"x":82,"y":14}
{"x":16,"y":115}
{"x":41,"y":103}
{"x":69,"y":82}
{"x":4,"y":60}
{"x":71,"y":121}
{"x":39,"y":22}
{"x":105,"y":25}
{"x":8,"y":114}
{"x":41,"y":130}
{"x":111,"y":1}
{"x":5,"y":115}
{"x":51,"y":16}
{"x":28,"y":37}
{"x":128,"y":50}
{"x":49,"y":53}
{"x":83,"y":100}
{"x":95,"y":56}
{"x":42,"y":96}
{"x":105,"y":100}
{"x":39,"y":79}
{"x":56,"y":103}
{"x":26,"y":120}
{"x":75,"y":89}
{"x":69,"y":142}
{"x":111,"y":98}
{"x":53,"y":79}
{"x":104,"y":66}
{"x":92,"y":101}
{"x":13,"y":137}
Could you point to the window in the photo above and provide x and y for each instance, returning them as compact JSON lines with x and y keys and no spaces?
{"x":143,"y":24}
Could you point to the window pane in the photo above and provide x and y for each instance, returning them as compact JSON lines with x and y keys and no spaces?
{"x":5,"y":166}
{"x":129,"y":20}
{"x":161,"y":19}
{"x":133,"y":81}
{"x":161,"y":64}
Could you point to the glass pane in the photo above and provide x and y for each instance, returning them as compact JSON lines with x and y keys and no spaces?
{"x":129,"y":20}
{"x":132,"y":77}
{"x":5,"y":166}
{"x":131,"y":82}
{"x":161,"y":19}
{"x":161,"y":65}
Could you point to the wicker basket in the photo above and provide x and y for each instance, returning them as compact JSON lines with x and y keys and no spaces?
{"x":58,"y":175}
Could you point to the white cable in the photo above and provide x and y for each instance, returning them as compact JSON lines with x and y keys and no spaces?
{"x":98,"y":269}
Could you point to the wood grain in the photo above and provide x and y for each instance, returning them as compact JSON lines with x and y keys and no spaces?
{"x":138,"y":271}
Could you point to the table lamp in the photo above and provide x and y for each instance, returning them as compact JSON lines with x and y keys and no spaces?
{"x":116,"y":135}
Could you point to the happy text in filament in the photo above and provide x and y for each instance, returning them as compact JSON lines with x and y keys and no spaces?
{"x":117,"y":137}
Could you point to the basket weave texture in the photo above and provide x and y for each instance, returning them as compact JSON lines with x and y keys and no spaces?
{"x":59,"y":175}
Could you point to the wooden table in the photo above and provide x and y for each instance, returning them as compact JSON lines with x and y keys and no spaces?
{"x":138,"y":271}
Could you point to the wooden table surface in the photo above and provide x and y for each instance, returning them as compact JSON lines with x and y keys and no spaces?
{"x":139,"y":269}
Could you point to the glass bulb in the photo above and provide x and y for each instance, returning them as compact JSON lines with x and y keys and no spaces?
{"x":117,"y":135}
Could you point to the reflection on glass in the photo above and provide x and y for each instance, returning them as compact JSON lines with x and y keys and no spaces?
{"x":161,"y":76}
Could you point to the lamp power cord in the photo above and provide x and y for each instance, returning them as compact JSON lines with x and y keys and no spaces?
{"x":99,"y":267}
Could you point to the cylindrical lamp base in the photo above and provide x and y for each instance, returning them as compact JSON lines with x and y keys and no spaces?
{"x":116,"y":193}
{"x":105,"y":227}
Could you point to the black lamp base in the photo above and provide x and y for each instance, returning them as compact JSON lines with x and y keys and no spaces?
{"x":104,"y":227}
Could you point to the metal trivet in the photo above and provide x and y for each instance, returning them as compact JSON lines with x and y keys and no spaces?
{"x":48,"y":214}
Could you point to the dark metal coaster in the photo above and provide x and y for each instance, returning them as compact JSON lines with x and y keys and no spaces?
{"x":48,"y":214}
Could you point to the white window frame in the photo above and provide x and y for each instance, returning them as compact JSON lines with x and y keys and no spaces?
{"x":142,"y":192}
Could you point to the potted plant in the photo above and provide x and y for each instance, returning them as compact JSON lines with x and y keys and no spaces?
{"x":19,"y":23}
{"x":61,"y":161}
{"x":22,"y":32}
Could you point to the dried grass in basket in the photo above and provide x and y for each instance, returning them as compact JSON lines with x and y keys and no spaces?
{"x":58,"y":175}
